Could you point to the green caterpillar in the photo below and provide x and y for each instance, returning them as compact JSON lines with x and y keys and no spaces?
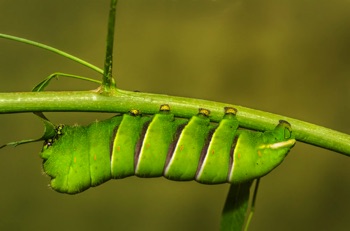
{"x":79,"y":157}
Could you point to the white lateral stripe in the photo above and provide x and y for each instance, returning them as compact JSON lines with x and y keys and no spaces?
{"x":278,"y":145}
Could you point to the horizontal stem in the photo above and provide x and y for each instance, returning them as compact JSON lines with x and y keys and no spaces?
{"x":124,"y":101}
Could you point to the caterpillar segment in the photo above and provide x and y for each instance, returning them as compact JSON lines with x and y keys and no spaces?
{"x":155,"y":142}
{"x":217,"y":155}
{"x":181,"y":149}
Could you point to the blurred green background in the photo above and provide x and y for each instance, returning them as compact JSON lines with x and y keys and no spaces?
{"x":288,"y":57}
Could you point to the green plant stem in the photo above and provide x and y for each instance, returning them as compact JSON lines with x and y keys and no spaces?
{"x":52,"y":49}
{"x":123,"y":101}
{"x":108,"y":82}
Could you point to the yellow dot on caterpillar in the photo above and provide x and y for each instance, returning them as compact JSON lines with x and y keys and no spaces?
{"x":204,"y":111}
{"x":230,"y":110}
{"x":164,"y":107}
{"x":134,"y":112}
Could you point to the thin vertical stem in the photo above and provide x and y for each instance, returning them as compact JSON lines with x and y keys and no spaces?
{"x":252,"y":207}
{"x":108,"y":82}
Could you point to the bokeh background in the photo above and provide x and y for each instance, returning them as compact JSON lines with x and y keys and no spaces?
{"x":289,"y":57}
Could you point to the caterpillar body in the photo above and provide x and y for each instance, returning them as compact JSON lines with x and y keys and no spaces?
{"x":79,"y":157}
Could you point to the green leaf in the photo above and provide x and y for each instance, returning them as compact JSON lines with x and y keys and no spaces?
{"x":236,"y":206}
{"x":49,"y":132}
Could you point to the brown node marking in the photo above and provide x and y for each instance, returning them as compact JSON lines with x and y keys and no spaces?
{"x":204,"y":111}
{"x":230,"y":110}
{"x":134,"y":112}
{"x":164,"y":107}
